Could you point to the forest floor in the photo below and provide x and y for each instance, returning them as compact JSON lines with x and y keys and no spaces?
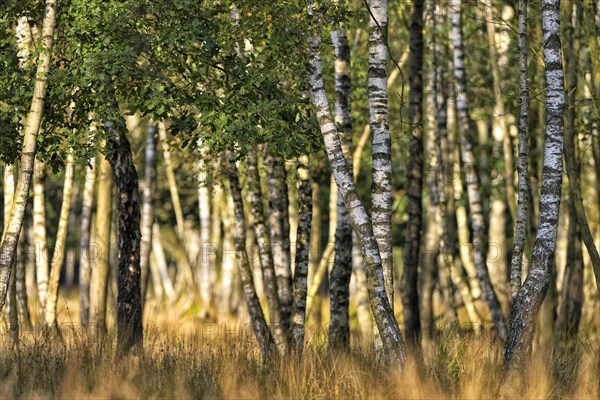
{"x":185,"y":357}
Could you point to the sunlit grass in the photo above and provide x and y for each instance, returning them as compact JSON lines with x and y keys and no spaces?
{"x":186,"y":357}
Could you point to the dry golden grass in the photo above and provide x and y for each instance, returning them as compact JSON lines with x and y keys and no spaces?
{"x":189,"y":358}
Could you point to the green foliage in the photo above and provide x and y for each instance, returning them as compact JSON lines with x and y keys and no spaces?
{"x":230,"y":79}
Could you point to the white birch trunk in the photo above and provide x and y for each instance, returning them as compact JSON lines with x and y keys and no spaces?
{"x":32,"y":128}
{"x":361,"y":223}
{"x":529,"y":298}
{"x":84,"y":260}
{"x":60,"y":244}
{"x":471,"y":174}
{"x":203,"y":274}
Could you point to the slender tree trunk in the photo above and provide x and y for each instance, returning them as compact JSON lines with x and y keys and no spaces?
{"x":70,"y":250}
{"x":261,"y":330}
{"x":523,"y":163}
{"x":216,"y":206}
{"x":18,"y":289}
{"x":11,"y":306}
{"x":129,"y":298}
{"x":100,"y":261}
{"x":365,"y":133}
{"x":302,"y":252}
{"x":39,"y":226}
{"x":381,"y":188}
{"x":320,"y":270}
{"x":313,"y":299}
{"x":443,"y":174}
{"x":410,"y":297}
{"x":203,"y":274}
{"x":32,"y":128}
{"x":313,"y":304}
{"x":161,"y":264}
{"x":162,"y":129}
{"x":229,"y":256}
{"x":393,"y":342}
{"x":462,"y":240}
{"x":341,"y":272}
{"x":566,"y":349}
{"x":470,"y":171}
{"x":264,"y":250}
{"x":432,"y":226}
{"x":187,"y":277}
{"x":30,"y":255}
{"x":496,"y":254}
{"x":148,"y":206}
{"x":591,"y":20}
{"x":11,"y":311}
{"x":429,"y":269}
{"x":528,"y":300}
{"x":572,"y":167}
{"x":365,"y":320}
{"x":85,"y":270}
{"x":21,"y":298}
{"x":434,"y":261}
{"x":59,"y":245}
{"x":277,"y":194}
{"x":567,"y":323}
{"x":501,"y":134}
{"x":157,"y":284}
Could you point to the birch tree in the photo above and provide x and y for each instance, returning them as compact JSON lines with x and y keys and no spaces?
{"x":228,"y":276}
{"x":264,"y":250}
{"x":9,"y":198}
{"x":302,"y":252}
{"x":100,"y":257}
{"x":32,"y":128}
{"x":339,"y":278}
{"x":60,"y":244}
{"x":203,"y":273}
{"x":381,"y":188}
{"x":84,"y":241}
{"x":42,"y":268}
{"x":148,"y":206}
{"x":410,"y":297}
{"x":523,"y":162}
{"x":261,"y":330}
{"x":277,"y":215}
{"x":393,"y":342}
{"x":528,"y":300}
{"x":470,"y":171}
{"x":129,"y":298}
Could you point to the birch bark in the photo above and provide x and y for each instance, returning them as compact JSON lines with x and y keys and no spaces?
{"x":261,"y":330}
{"x":32,"y":128}
{"x":470,"y":171}
{"x":528,"y":300}
{"x":393,"y":342}
{"x":148,"y":206}
{"x":100,"y":259}
{"x":523,"y":163}
{"x":302,"y":252}
{"x":85,"y":270}
{"x":129,"y":297}
{"x":339,"y":277}
{"x":39,"y":232}
{"x":60,"y":244}
{"x":277,"y":194}
{"x":264,"y":250}
{"x":381,"y":187}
